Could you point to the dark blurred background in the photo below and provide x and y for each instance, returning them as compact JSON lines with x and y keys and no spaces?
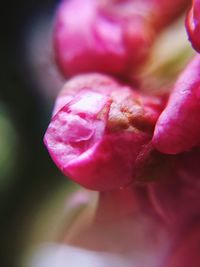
{"x":27,"y":175}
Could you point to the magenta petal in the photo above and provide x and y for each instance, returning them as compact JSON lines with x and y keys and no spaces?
{"x":193,"y":25}
{"x":80,"y":43}
{"x":110,"y":163}
{"x":109,"y":36}
{"x":96,"y":82}
{"x":178,"y":127}
{"x":94,"y":36}
{"x":72,"y":130}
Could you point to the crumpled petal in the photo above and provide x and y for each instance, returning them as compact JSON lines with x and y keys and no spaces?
{"x":99,"y":83}
{"x":72,"y":130}
{"x":100,"y":138}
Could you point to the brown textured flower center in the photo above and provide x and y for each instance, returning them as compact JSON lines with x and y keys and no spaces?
{"x":129,"y":115}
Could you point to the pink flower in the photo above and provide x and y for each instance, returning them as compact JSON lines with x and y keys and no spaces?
{"x":141,"y":153}
{"x":100,"y":135}
{"x":109,"y":36}
{"x":193,"y":25}
{"x":97,"y":35}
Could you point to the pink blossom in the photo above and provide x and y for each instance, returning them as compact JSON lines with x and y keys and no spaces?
{"x":91,"y":37}
{"x":193,"y":25}
{"x":109,"y":36}
{"x":140,"y":152}
{"x":101,"y":136}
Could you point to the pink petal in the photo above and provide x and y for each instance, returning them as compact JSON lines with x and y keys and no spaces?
{"x":193,"y":25}
{"x":178,"y":128}
{"x":110,"y":163}
{"x":96,"y":39}
{"x":72,"y":130}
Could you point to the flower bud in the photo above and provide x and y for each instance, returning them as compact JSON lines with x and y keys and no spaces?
{"x":109,"y":36}
{"x":177,"y":129}
{"x":106,"y":36}
{"x":102,"y":134}
{"x":193,"y":25}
